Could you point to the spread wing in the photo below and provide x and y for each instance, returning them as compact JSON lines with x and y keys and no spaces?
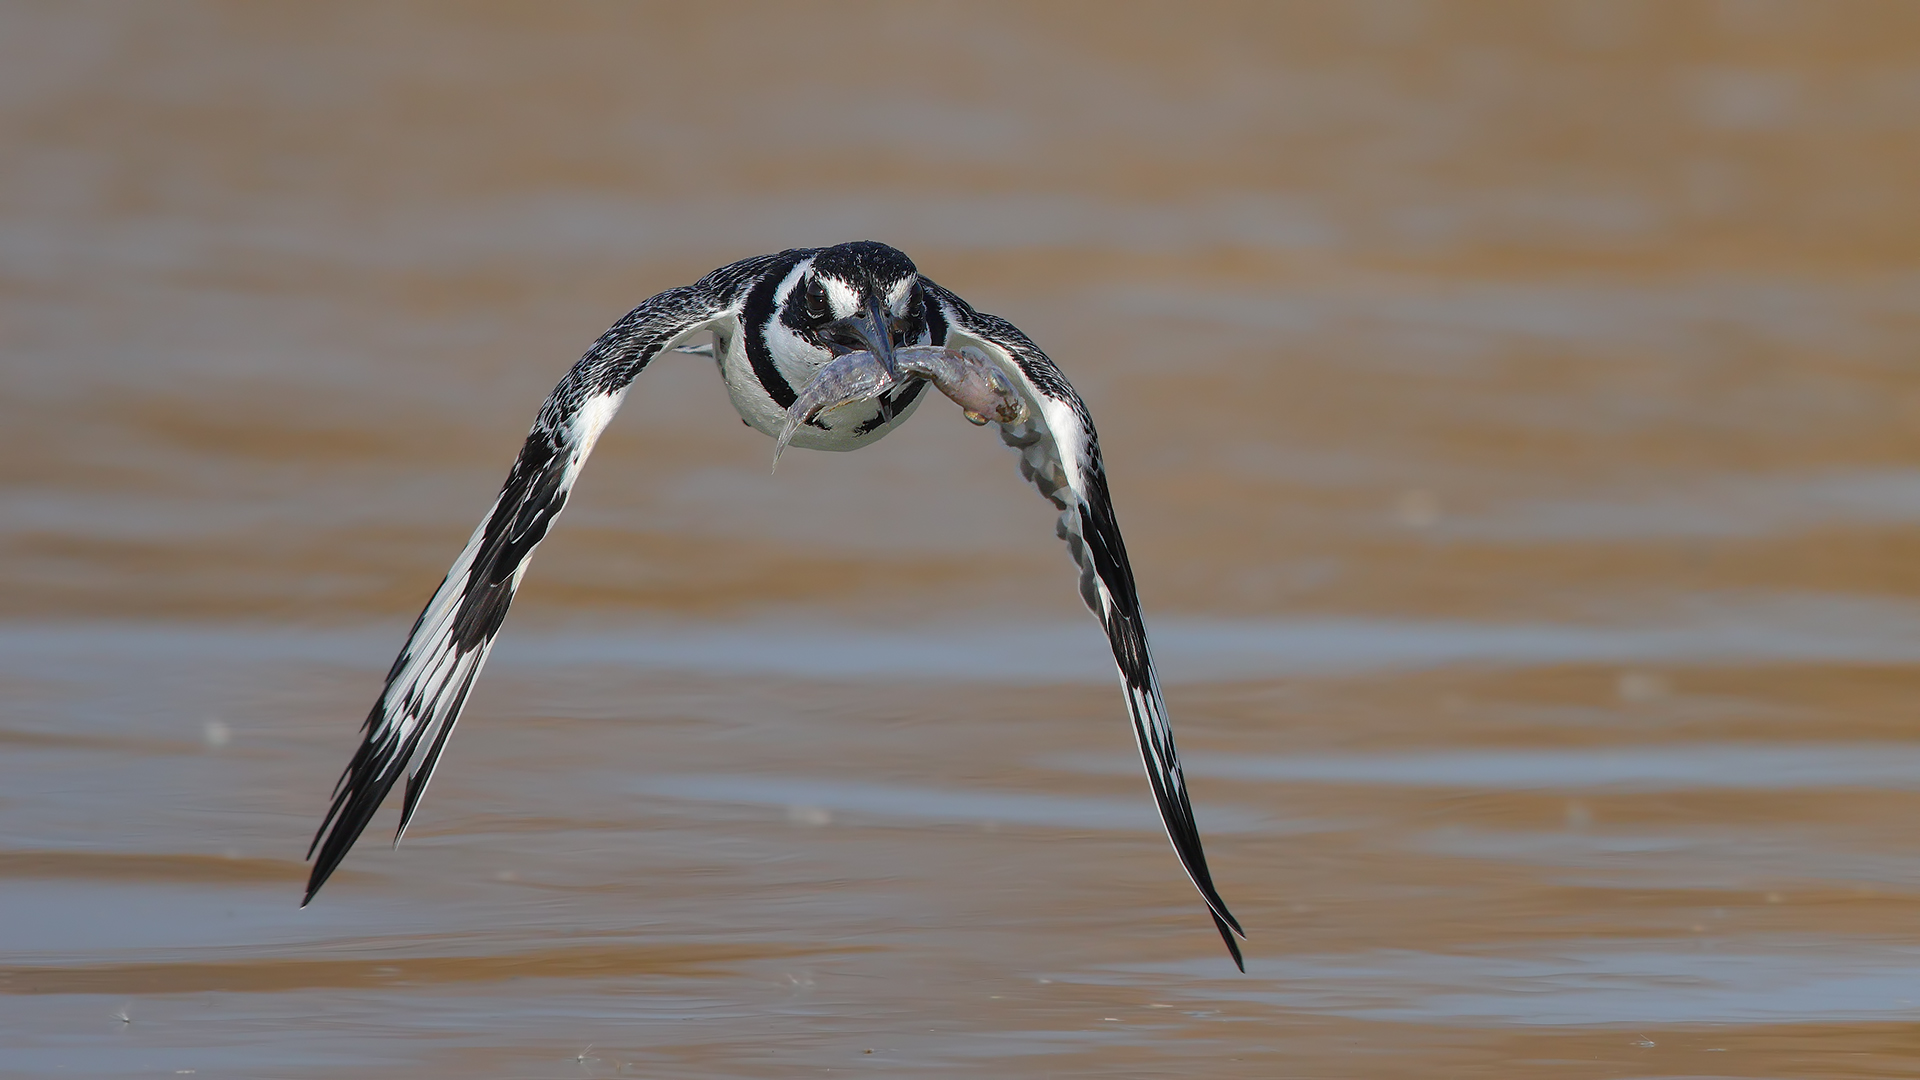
{"x":428,"y":684}
{"x":1060,"y":453}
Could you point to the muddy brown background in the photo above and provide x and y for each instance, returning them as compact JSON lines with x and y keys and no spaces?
{"x":1512,"y":408}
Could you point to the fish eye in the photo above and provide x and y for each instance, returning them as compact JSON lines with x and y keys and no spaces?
{"x":813,"y":300}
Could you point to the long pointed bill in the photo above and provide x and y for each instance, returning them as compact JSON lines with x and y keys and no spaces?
{"x":876,"y":329}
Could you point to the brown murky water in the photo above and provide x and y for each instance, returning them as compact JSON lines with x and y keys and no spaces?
{"x":1514,"y":410}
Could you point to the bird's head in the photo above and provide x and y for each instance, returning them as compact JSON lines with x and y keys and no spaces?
{"x":863,"y":295}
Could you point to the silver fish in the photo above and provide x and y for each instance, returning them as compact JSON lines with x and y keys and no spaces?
{"x":974,"y":383}
{"x":850,"y":377}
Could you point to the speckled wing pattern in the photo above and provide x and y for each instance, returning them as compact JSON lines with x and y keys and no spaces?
{"x":1060,"y":454}
{"x":428,"y":684}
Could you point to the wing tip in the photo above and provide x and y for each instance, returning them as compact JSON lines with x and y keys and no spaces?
{"x":352,"y":810}
{"x":1227,"y":931}
{"x":1220,"y":913}
{"x":322,"y":870}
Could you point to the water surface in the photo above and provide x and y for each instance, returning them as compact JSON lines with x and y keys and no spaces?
{"x":1511,"y":408}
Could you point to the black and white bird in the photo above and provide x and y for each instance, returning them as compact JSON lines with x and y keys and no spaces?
{"x":779,"y":324}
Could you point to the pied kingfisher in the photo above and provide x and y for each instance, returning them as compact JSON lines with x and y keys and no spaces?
{"x":861,"y":333}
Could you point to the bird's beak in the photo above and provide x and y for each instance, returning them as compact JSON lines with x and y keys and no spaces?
{"x":874,"y":327}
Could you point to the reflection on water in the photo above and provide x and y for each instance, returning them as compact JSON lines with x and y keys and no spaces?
{"x":696,"y":848}
{"x":1681,"y":767}
{"x":1718,"y":631}
{"x":1720,"y":508}
{"x":1511,"y":409}
{"x":820,"y":802}
{"x":1626,"y":983}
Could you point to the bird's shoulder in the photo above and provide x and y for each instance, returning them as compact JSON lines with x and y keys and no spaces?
{"x":1039,"y":370}
{"x":728,"y":283}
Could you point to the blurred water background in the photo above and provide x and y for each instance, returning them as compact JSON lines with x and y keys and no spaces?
{"x":1512,"y":408}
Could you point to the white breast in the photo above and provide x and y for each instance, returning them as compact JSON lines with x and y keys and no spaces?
{"x":797,"y":361}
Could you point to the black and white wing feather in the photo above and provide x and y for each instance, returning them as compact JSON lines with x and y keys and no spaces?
{"x":428,"y":684}
{"x":1060,"y":454}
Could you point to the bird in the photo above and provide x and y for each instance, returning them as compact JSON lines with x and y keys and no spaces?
{"x":778,"y":326}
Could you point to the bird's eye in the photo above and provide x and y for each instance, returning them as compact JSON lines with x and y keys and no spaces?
{"x":814,"y":300}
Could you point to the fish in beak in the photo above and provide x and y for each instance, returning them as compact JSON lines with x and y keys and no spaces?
{"x":874,"y":328}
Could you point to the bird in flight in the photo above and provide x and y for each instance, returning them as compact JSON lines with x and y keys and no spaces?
{"x":822,"y":348}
